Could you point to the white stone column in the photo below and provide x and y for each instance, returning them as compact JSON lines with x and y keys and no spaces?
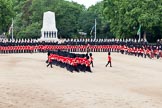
{"x":51,"y":34}
{"x":44,"y":34}
{"x":56,"y":35}
{"x":49,"y":30}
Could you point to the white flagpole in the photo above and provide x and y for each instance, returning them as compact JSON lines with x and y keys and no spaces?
{"x":139,"y":36}
{"x":95,"y":30}
{"x":139,"y":33}
{"x":12,"y":28}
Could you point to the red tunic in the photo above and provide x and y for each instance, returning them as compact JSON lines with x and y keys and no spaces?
{"x":109,"y":58}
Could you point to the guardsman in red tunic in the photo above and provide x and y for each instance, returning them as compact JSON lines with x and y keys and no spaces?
{"x":0,"y":49}
{"x":87,"y":64}
{"x":74,"y":64}
{"x":157,"y":52}
{"x":148,"y":52}
{"x":109,"y":60}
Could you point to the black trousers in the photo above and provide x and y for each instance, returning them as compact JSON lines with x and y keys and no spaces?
{"x":91,"y":63}
{"x":108,"y":63}
{"x":50,"y":63}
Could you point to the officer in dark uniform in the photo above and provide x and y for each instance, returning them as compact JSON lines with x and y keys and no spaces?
{"x":49,"y":61}
{"x":91,"y":59}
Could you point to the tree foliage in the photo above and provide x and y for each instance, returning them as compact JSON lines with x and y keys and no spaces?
{"x":125,"y":16}
{"x":31,"y":14}
{"x":5,"y":15}
{"x":119,"y":18}
{"x":87,"y":21}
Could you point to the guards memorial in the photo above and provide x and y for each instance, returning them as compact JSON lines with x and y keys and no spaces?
{"x":49,"y":30}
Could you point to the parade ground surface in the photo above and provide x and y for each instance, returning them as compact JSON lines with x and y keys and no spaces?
{"x":132,"y":82}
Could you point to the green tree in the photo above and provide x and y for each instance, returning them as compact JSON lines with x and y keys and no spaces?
{"x":31,"y":31}
{"x":87,"y":21}
{"x":67,"y":15}
{"x":6,"y":13}
{"x":125,"y":16}
{"x":32,"y":12}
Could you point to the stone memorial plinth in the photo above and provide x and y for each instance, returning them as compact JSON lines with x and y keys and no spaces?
{"x":49,"y":30}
